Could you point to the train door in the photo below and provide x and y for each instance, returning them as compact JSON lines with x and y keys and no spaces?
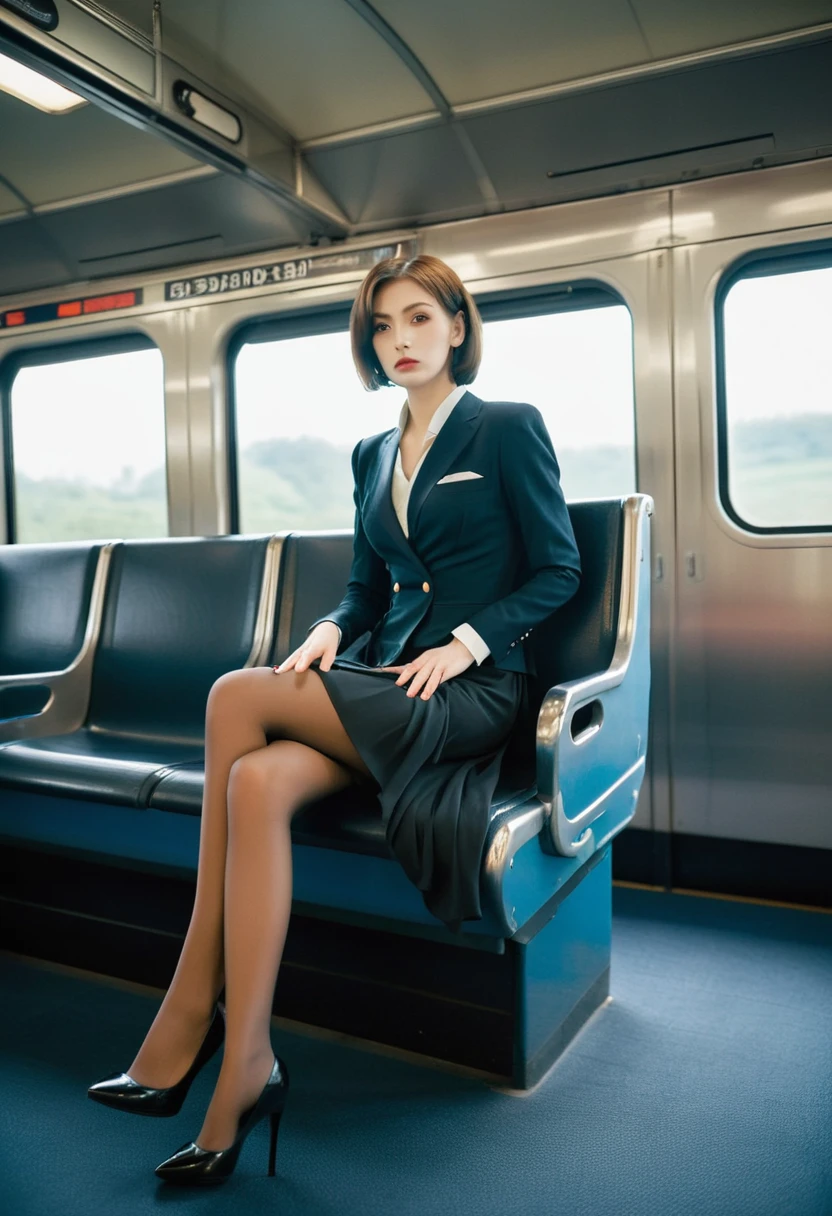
{"x":752,"y":706}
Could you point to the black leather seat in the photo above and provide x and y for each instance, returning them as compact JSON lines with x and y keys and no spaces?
{"x":177,"y":615}
{"x":44,"y":603}
{"x":180,"y":613}
{"x":579,"y":639}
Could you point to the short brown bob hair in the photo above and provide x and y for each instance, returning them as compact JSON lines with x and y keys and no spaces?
{"x":445,"y":285}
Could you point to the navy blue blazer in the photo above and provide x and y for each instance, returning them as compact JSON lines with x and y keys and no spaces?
{"x":496,"y":551}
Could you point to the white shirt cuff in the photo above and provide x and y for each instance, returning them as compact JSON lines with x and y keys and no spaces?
{"x":470,"y":638}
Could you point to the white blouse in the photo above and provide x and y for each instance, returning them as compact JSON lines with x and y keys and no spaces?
{"x":400,"y":489}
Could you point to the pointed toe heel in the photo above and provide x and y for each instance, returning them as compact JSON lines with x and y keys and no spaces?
{"x":191,"y":1165}
{"x":121,"y":1092}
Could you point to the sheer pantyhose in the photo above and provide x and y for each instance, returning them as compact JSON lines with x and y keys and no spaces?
{"x":272,"y":743}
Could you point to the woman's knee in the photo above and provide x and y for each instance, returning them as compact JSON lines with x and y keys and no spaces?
{"x":271,"y":779}
{"x":229,"y":691}
{"x":250,"y":781}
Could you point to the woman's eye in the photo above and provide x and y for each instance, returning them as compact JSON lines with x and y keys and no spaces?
{"x":378,"y":327}
{"x":420,"y":316}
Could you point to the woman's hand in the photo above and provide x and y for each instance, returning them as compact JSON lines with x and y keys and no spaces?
{"x":433,"y":667}
{"x":322,"y":644}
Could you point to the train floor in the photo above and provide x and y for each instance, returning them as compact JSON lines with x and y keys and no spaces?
{"x":703,"y":1086}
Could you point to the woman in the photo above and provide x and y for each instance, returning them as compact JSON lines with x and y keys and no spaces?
{"x":462,"y":545}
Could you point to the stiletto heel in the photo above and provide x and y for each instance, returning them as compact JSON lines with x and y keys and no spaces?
{"x":274,"y":1124}
{"x":121,"y":1092}
{"x":192,"y":1165}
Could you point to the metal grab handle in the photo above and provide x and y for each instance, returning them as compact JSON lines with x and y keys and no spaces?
{"x":581,"y":705}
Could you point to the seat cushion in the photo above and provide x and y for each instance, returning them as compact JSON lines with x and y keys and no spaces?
{"x":92,"y":764}
{"x":349,"y":820}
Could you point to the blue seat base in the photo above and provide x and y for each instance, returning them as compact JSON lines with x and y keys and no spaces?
{"x":506,"y":1007}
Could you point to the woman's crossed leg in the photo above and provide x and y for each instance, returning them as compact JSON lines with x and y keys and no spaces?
{"x":272,"y":744}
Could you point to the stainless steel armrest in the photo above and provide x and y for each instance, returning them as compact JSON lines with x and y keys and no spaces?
{"x":69,"y":690}
{"x":267,"y":607}
{"x":585,"y":767}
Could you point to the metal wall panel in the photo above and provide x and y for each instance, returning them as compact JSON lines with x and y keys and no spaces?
{"x":791,"y":197}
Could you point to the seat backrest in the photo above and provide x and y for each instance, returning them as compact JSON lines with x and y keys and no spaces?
{"x":579,"y":639}
{"x":44,"y":602}
{"x":314,"y":570}
{"x":178,"y":614}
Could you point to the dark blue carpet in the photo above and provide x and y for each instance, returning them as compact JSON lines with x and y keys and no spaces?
{"x":705,"y":1087}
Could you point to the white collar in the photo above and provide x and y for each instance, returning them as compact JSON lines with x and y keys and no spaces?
{"x":441,"y":413}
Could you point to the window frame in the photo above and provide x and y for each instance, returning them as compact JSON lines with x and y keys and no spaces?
{"x":503,"y":305}
{"x":756,"y":264}
{"x":40,"y":356}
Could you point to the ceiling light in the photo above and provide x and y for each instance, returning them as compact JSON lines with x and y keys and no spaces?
{"x":37,"y":90}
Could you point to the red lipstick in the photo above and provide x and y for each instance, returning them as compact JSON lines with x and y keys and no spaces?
{"x":405,"y":363}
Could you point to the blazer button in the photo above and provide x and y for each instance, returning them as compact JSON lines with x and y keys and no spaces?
{"x":426,"y":586}
{"x":396,"y":587}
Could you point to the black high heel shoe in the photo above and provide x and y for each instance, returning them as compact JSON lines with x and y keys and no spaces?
{"x":123,"y":1093}
{"x":192,"y":1165}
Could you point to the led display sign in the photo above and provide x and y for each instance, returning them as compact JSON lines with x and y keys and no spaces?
{"x":83,"y":306}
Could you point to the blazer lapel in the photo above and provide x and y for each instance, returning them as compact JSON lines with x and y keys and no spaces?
{"x":380,"y":501}
{"x":461,"y":424}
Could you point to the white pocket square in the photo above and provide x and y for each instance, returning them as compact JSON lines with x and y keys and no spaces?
{"x":457,"y":477}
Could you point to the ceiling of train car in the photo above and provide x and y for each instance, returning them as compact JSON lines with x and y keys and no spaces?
{"x":102,"y":197}
{"x":322,"y":68}
{"x":399,"y":114}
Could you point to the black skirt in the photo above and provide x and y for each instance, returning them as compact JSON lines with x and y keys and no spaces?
{"x":436,"y":763}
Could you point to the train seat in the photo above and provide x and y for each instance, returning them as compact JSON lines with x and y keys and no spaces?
{"x":49,"y":609}
{"x":125,"y":789}
{"x":175,"y":616}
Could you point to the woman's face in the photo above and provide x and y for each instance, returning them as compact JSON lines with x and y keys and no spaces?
{"x":413,"y":335}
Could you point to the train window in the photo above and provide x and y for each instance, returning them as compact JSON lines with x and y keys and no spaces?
{"x":102,"y":471}
{"x":299,"y":411}
{"x":775,"y":407}
{"x":299,"y":407}
{"x":576,"y":366}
